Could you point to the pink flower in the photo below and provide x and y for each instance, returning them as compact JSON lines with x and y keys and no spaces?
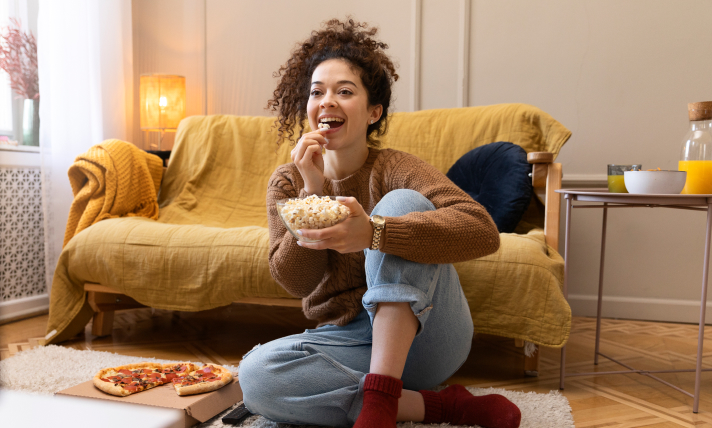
{"x":18,"y":57}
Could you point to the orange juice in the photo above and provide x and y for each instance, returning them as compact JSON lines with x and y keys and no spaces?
{"x":616,"y":184}
{"x":699,"y":177}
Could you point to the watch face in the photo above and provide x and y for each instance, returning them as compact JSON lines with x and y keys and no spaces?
{"x":378,"y":220}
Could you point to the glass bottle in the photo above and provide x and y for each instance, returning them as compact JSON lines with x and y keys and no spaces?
{"x":696,"y":157}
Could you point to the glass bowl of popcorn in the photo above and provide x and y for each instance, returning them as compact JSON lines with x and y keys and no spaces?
{"x":312,"y":212}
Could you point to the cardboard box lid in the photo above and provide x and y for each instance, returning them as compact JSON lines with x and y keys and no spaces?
{"x":200,"y":406}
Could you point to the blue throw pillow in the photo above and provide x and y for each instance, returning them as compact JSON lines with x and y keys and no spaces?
{"x":497,"y":176}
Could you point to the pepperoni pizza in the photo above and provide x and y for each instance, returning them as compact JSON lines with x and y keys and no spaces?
{"x":186,"y":378}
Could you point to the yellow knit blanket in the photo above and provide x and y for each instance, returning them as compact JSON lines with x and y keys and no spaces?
{"x":112,"y":179}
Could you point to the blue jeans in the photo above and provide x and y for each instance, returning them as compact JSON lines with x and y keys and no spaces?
{"x":317,"y":377}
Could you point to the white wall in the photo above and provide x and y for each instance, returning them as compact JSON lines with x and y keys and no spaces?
{"x":618,"y":74}
{"x":249,"y":40}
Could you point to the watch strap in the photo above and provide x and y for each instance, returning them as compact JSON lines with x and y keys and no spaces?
{"x":377,"y":229}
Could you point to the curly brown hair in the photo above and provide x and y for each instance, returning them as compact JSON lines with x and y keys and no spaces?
{"x":350,"y":41}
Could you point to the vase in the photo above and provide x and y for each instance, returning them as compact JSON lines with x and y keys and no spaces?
{"x":31,"y":123}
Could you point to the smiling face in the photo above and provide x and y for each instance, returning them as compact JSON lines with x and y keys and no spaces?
{"x":337,"y":97}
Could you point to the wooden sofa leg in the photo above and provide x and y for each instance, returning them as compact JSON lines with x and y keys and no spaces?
{"x":531,"y":364}
{"x":105,"y":301}
{"x":103,"y":323}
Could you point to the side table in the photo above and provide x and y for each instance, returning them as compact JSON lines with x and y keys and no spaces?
{"x":601,"y":198}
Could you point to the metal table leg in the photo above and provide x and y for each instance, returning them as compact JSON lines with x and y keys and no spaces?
{"x":703,"y":309}
{"x":567,"y":233}
{"x":600,"y":282}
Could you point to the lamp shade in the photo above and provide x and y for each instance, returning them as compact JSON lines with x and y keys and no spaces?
{"x":162,"y":101}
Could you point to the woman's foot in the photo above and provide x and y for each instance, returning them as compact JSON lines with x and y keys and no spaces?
{"x":380,"y":402}
{"x":457,"y":406}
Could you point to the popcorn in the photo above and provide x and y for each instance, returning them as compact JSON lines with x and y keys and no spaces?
{"x":324,"y":126}
{"x":313,"y":212}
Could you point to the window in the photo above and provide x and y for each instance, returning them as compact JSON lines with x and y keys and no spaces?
{"x":10,"y":104}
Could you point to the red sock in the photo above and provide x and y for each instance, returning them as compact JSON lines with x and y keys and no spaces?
{"x":380,"y":402}
{"x":457,"y":406}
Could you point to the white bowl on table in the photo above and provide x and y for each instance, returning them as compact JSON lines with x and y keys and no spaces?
{"x":655,"y":182}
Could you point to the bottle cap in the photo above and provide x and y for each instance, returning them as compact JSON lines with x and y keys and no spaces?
{"x":700,"y":111}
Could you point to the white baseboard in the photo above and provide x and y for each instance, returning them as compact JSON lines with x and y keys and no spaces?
{"x":15,"y":309}
{"x":640,"y":308}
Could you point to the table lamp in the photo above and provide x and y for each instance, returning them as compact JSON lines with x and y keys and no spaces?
{"x":162,"y":103}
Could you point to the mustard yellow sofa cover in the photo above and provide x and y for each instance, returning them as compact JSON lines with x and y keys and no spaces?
{"x":209,"y":245}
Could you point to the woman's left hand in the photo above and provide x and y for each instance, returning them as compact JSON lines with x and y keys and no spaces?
{"x":351,"y":235}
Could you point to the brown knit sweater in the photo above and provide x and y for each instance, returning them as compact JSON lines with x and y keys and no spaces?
{"x":331,"y":284}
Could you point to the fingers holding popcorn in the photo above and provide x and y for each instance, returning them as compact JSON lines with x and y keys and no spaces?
{"x":307,"y":156}
{"x":314,"y":138}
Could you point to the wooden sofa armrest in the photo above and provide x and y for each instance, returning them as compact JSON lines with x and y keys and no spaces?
{"x":547,"y":175}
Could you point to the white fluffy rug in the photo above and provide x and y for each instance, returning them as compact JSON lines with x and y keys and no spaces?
{"x":538,"y":410}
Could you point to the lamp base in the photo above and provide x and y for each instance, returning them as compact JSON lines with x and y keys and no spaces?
{"x":157,"y":139}
{"x":163,"y":154}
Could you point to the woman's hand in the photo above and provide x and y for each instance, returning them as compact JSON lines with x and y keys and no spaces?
{"x":351,"y":235}
{"x":306,"y":155}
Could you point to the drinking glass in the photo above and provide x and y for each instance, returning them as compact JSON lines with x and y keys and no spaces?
{"x":616,"y":182}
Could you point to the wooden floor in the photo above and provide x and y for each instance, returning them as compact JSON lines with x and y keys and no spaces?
{"x":223,"y":335}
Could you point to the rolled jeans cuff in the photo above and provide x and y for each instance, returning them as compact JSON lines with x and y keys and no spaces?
{"x":420,"y":303}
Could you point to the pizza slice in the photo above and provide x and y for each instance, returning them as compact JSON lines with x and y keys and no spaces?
{"x":207,"y":378}
{"x":130,"y":379}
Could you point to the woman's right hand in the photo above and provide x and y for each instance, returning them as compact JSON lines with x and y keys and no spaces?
{"x":307,"y":156}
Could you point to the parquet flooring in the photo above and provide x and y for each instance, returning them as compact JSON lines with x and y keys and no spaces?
{"x":223,"y":335}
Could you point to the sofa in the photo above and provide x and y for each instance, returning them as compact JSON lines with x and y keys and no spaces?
{"x":209,"y":245}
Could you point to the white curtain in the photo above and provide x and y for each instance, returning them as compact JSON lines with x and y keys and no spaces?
{"x":86,"y":96}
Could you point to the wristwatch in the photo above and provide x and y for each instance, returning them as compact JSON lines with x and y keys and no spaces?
{"x":378,"y":224}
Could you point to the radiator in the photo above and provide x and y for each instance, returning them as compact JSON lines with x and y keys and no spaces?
{"x":22,"y":258}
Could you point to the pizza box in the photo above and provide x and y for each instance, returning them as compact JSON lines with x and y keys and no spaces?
{"x":197,"y":408}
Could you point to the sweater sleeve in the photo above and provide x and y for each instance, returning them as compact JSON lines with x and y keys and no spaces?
{"x":298,"y":270}
{"x":459,"y":229}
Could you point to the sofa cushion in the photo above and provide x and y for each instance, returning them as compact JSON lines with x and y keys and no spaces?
{"x":497,"y":176}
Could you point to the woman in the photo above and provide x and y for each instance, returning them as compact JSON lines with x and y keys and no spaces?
{"x":370,"y":367}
